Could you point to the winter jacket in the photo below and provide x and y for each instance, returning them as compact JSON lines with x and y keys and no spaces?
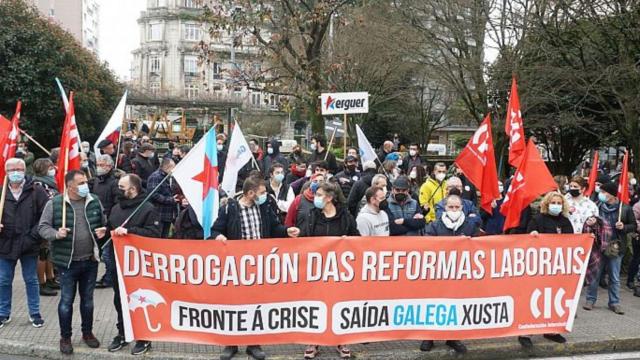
{"x":372,"y":223}
{"x":405,"y":211}
{"x":275,"y":157}
{"x":410,"y":161}
{"x":346,"y":179}
{"x":609,"y":212}
{"x":431,"y":193}
{"x":549,"y":224}
{"x":145,"y":222}
{"x":20,"y":218}
{"x":143,"y":167}
{"x":187,"y":225}
{"x":228,"y":222}
{"x":341,"y":224}
{"x":48,"y":184}
{"x":281,"y":201}
{"x":468,"y":208}
{"x":437,"y":228}
{"x":358,"y":190}
{"x":162,"y":199}
{"x":493,"y":223}
{"x":106,"y":187}
{"x":331,"y":159}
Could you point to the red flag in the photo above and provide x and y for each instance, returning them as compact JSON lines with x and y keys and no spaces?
{"x":623,"y":185}
{"x":9,"y":148}
{"x":514,"y":128}
{"x":593,"y":174}
{"x":69,"y":158}
{"x":5,"y":132}
{"x":478,"y":163}
{"x":531,"y":180}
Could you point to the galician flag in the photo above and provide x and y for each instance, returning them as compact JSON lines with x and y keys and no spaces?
{"x":201,"y":190}
{"x":365,"y":149}
{"x":112,"y":130}
{"x":237,"y":157}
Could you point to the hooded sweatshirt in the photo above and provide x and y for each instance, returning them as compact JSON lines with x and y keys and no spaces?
{"x":372,"y":223}
{"x":275,"y":157}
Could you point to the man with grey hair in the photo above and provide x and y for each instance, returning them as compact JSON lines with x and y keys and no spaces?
{"x":19,"y":239}
{"x":454,"y":187}
{"x":105,"y":186}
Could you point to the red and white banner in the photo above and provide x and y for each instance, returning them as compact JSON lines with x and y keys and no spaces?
{"x":331,"y":291}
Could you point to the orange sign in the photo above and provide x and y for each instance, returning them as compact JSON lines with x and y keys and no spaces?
{"x":331,"y":291}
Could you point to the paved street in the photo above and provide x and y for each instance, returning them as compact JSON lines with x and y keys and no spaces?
{"x":596,"y":331}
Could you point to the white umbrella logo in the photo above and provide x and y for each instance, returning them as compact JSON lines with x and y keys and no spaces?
{"x":142,"y":298}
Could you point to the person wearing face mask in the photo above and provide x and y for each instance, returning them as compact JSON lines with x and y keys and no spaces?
{"x":329,"y":217}
{"x":87,"y":166}
{"x":320,"y":152}
{"x":360,"y":187}
{"x":249,"y":218}
{"x":634,"y":197}
{"x":454,"y":187}
{"x":143,"y":164}
{"x":296,"y":156}
{"x":303,"y":203}
{"x":380,"y":181}
{"x":347,"y":177}
{"x":601,"y":179}
{"x":297,"y":171}
{"x":273,"y":156}
{"x":452,"y":223}
{"x":417,"y":176}
{"x":222,"y":155}
{"x":372,"y":219}
{"x":620,"y":220}
{"x":145,"y":222}
{"x":580,"y":207}
{"x":163,"y":199}
{"x":280,"y":194}
{"x":75,"y":248}
{"x":433,"y":191}
{"x":412,"y":159}
{"x":553,"y":219}
{"x":318,"y":167}
{"x":19,"y":240}
{"x":405,"y":215}
{"x":493,"y":223}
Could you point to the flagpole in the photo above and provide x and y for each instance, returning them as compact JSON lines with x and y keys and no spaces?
{"x":344,"y":155}
{"x":115,"y":167}
{"x":135,"y":211}
{"x":330,"y":143}
{"x":64,"y":190}
{"x":3,"y":196}
{"x":35,"y":142}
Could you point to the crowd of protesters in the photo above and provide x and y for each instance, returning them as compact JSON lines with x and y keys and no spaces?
{"x":59,"y":239}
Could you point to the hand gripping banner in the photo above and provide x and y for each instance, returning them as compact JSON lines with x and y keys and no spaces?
{"x":331,"y":291}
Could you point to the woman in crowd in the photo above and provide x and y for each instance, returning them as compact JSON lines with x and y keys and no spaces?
{"x":580,"y":207}
{"x":417,"y":177}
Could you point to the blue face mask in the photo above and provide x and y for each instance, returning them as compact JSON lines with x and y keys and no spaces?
{"x":555,"y":209}
{"x":83,"y":190}
{"x":314,"y":187}
{"x":16,"y":176}
{"x":602,"y":197}
{"x":261,"y":199}
{"x":279,"y":178}
{"x":318,"y":202}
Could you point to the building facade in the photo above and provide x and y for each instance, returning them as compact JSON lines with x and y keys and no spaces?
{"x":170,"y":62}
{"x":79,"y":17}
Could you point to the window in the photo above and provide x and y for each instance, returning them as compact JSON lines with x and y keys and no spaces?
{"x":154,"y":65}
{"x":255,"y":99}
{"x":237,"y":90}
{"x":191,"y":65}
{"x":217,"y":71}
{"x":190,"y":3}
{"x":191,"y":91}
{"x":217,"y":88}
{"x":155,"y":88}
{"x":191,"y":32}
{"x":155,"y":32}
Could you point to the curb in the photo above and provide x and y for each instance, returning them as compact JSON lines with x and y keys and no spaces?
{"x":509,"y":349}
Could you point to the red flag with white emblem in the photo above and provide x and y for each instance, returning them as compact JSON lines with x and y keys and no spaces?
{"x":623,"y":186}
{"x":478,"y":163}
{"x":514,"y":127}
{"x":69,"y":157}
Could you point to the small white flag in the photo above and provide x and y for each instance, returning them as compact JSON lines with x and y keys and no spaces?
{"x":366,"y":151}
{"x":238,"y":155}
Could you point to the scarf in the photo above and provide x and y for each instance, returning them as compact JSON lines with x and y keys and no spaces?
{"x":453,"y":224}
{"x":603,"y":232}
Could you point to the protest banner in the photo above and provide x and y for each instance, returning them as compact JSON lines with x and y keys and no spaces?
{"x":332,"y":291}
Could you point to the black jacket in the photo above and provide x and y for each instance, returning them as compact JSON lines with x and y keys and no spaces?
{"x":228,"y":222}
{"x":19,"y":235}
{"x":276,"y":157}
{"x":548,"y":224}
{"x":341,"y":224}
{"x":350,"y":178}
{"x":437,"y":228}
{"x":106,"y":187}
{"x":187,"y":225}
{"x":358,"y":190}
{"x":331,"y":160}
{"x":144,"y":223}
{"x":143,"y":167}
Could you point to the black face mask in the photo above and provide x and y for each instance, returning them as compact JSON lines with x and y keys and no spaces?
{"x":383,"y":204}
{"x":455,"y":191}
{"x":400,"y":197}
{"x":120,"y":195}
{"x":574,"y":192}
{"x":351,"y":168}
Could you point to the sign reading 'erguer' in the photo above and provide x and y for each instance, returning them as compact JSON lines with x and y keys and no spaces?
{"x":345,"y":103}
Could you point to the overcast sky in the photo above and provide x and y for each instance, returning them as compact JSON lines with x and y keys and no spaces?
{"x":119,"y":33}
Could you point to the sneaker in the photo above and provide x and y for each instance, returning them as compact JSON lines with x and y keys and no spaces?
{"x":311,"y":352}
{"x":65,"y":346}
{"x":36,"y":320}
{"x":228,"y":352}
{"x":117,"y":344}
{"x":141,"y":347}
{"x":588,"y":306}
{"x":4,"y":320}
{"x":557,"y":338}
{"x":47,"y":291}
{"x":255,"y":351}
{"x":53,"y":284}
{"x":426,"y":345}
{"x":344,"y":352}
{"x":525,"y":342}
{"x":91,"y":341}
{"x":616,"y":308}
{"x":457,"y":346}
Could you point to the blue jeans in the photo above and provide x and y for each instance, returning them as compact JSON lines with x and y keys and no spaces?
{"x":614,"y":280}
{"x":81,"y":275}
{"x":29,"y":266}
{"x":109,"y":261}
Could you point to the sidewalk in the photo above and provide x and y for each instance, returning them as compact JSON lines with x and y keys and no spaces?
{"x":595,"y":331}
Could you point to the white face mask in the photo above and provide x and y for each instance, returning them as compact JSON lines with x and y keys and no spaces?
{"x":633,"y":182}
{"x":440,"y":176}
{"x":454,"y":215}
{"x":413,"y":152}
{"x":500,"y":188}
{"x":308,"y":173}
{"x":413,"y":175}
{"x":399,"y":162}
{"x":51,"y":172}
